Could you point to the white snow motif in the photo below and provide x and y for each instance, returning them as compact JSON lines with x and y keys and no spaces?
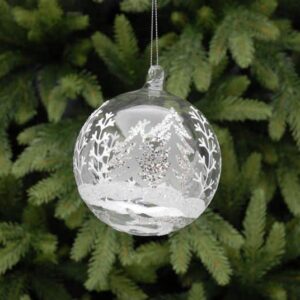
{"x":148,"y":174}
{"x":156,"y":202}
{"x":208,"y":143}
{"x":79,"y":160}
{"x":101,"y":151}
{"x":154,"y":154}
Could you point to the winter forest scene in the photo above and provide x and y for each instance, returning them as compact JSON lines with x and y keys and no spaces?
{"x":93,"y":191}
{"x":151,"y":179}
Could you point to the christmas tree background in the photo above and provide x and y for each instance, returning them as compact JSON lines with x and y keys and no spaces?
{"x":237,"y":61}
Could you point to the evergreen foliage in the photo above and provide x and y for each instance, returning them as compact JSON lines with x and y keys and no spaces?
{"x":237,"y":61}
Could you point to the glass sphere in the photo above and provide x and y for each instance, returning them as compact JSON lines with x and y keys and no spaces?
{"x":147,"y":162}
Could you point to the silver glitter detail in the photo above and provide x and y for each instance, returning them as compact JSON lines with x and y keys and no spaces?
{"x":146,"y":169}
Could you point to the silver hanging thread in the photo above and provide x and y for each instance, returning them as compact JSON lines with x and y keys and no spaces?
{"x":154,"y":23}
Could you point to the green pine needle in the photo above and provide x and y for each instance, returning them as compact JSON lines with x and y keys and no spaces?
{"x":289,"y":183}
{"x":180,"y":248}
{"x":254,"y":225}
{"x":102,"y":260}
{"x":223,"y":230}
{"x":211,"y":253}
{"x":86,"y":238}
{"x":124,"y":288}
{"x":197,"y":292}
{"x":236,"y":109}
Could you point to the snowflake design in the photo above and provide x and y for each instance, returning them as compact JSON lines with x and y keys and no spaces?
{"x":208,"y":143}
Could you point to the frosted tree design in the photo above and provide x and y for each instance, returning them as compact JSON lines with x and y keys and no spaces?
{"x":208,"y":144}
{"x":176,"y":139}
{"x":124,"y":163}
{"x":79,"y":161}
{"x":101,"y":150}
{"x":147,"y":157}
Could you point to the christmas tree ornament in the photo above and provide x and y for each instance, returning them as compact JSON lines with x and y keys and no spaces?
{"x":147,"y":162}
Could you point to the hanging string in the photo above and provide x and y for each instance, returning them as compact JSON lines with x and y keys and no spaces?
{"x":154,"y":23}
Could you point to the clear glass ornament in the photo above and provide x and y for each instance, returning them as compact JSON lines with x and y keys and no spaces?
{"x":147,"y":162}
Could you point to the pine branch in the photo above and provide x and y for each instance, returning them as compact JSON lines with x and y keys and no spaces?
{"x":180,"y":248}
{"x":265,"y":73}
{"x":191,"y":64}
{"x":135,"y":6}
{"x":32,"y":158}
{"x":277,"y":124}
{"x":273,"y":250}
{"x":266,"y":7}
{"x":229,"y":158}
{"x":28,"y":134}
{"x":9,"y":60}
{"x":50,"y":188}
{"x":78,"y":52}
{"x":290,"y":188}
{"x":12,"y":286}
{"x":47,"y":80}
{"x":70,"y":87}
{"x":211,"y":253}
{"x":143,"y":274}
{"x":48,"y":151}
{"x":45,"y":246}
{"x":273,"y":291}
{"x":235,"y":86}
{"x":125,"y":252}
{"x":10,"y":232}
{"x":75,"y":219}
{"x":18,"y":100}
{"x":48,"y":20}
{"x":236,"y":109}
{"x":102,"y":260}
{"x":293,"y":120}
{"x":125,"y":39}
{"x":254,"y":225}
{"x":68,"y":204}
{"x":10,"y":32}
{"x":219,"y":44}
{"x":109,"y":53}
{"x":154,"y":254}
{"x":223,"y":230}
{"x":12,"y":253}
{"x":86,"y":238}
{"x":260,"y":26}
{"x":35,"y":217}
{"x":249,"y":179}
{"x":202,"y":75}
{"x":91,"y":90}
{"x":49,"y":289}
{"x":40,"y":21}
{"x":267,"y":182}
{"x":124,"y":288}
{"x":242,"y":48}
{"x":251,"y":169}
{"x":292,"y":239}
{"x":5,"y":153}
{"x":237,"y":30}
{"x":179,"y":80}
{"x":197,"y":292}
{"x":74,"y":22}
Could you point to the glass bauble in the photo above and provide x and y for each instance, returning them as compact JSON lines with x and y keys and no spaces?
{"x":147,"y":162}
